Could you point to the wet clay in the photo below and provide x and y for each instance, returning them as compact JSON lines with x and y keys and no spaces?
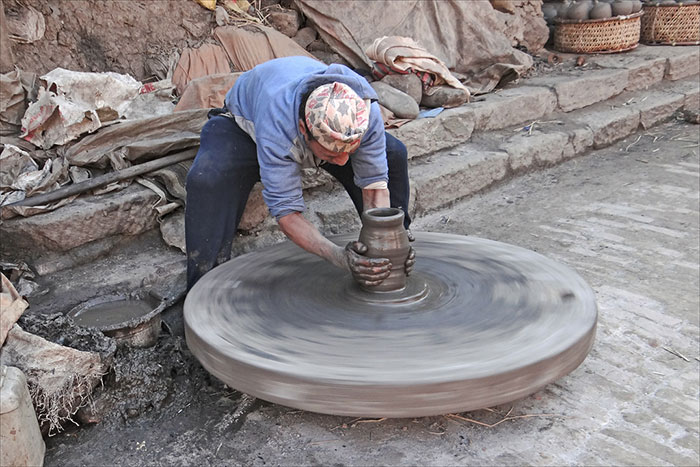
{"x":112,"y":313}
{"x":385,"y":236}
{"x":479,"y":323}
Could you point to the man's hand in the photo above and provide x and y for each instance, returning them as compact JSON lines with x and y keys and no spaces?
{"x":367,"y":271}
{"x":410,"y":261}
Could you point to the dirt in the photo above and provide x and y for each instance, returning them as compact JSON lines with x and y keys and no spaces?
{"x":117,"y":36}
{"x":61,"y":330}
{"x":142,"y":382}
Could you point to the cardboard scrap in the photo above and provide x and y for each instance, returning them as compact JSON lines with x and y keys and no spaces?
{"x":12,"y":305}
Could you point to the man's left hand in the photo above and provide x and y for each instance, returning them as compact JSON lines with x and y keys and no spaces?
{"x":410,"y":261}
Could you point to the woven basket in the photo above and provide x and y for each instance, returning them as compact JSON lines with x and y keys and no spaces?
{"x":597,"y":35}
{"x":671,"y":24}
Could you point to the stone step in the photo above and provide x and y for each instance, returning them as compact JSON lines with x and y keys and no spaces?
{"x":529,"y":99}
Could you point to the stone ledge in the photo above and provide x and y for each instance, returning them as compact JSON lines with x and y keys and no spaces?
{"x":644,"y":71}
{"x":428,"y":135}
{"x":536,"y":149}
{"x":658,"y":107}
{"x":126,"y":212}
{"x":449,"y":178}
{"x":609,"y":123}
{"x":578,"y":90}
{"x":681,"y":61}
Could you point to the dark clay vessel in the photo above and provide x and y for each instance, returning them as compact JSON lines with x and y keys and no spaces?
{"x":385,"y":236}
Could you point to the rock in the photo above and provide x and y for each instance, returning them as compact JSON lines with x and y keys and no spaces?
{"x":397,"y":101}
{"x":305,"y":36}
{"x":523,"y":23}
{"x":319,"y":45}
{"x":409,"y":83}
{"x":444,"y":96}
{"x":691,"y":116}
{"x":285,"y":21}
{"x":331,"y":57}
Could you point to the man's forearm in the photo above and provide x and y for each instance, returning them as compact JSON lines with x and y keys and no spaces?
{"x":375,"y":198}
{"x":302,"y":232}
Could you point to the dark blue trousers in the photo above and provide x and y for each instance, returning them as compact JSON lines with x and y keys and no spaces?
{"x":222,"y":176}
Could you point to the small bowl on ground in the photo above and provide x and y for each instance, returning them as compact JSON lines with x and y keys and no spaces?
{"x":133,"y":319}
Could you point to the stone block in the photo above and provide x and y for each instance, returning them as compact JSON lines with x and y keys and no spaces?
{"x":644,"y":71}
{"x":581,"y":139}
{"x":255,"y":211}
{"x":512,"y":106}
{"x":285,"y":21}
{"x":428,"y":135}
{"x":450,"y":177}
{"x":333,"y":213}
{"x":314,"y":178}
{"x":126,"y":212}
{"x":609,"y":123}
{"x":683,"y":64}
{"x":142,"y":265}
{"x":305,"y":36}
{"x":690,"y":88}
{"x":587,"y":88}
{"x":657,"y":107}
{"x":536,"y":149}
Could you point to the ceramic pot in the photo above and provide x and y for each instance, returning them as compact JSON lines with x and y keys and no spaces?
{"x":601,"y":11}
{"x":385,"y":236}
{"x":622,"y":8}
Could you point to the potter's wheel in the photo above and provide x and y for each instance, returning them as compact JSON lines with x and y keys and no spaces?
{"x":479,"y":323}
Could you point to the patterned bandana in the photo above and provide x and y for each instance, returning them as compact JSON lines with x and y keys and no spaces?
{"x":337,"y":117}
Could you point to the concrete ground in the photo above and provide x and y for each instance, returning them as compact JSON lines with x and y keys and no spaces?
{"x":627,"y":219}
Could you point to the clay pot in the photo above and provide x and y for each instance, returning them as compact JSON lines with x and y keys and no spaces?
{"x":636,"y":6}
{"x":579,"y":10}
{"x":601,"y":10}
{"x":549,"y":11}
{"x":563,"y":8}
{"x":622,"y":7}
{"x":385,"y":236}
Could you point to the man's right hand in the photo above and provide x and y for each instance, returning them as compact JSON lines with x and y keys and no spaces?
{"x":367,"y":271}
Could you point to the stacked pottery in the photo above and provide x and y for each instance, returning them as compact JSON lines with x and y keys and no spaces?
{"x":582,"y":10}
{"x":601,"y":10}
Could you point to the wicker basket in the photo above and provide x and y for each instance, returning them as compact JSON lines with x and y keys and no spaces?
{"x":608,"y":35}
{"x":671,"y":24}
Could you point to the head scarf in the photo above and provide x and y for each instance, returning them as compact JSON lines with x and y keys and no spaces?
{"x":337,"y":117}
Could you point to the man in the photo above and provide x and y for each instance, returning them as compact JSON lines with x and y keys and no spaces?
{"x":284,"y":115}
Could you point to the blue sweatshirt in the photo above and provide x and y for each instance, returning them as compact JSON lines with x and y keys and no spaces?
{"x":265,"y":103}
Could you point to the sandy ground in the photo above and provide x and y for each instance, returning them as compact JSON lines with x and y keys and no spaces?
{"x":626,"y":218}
